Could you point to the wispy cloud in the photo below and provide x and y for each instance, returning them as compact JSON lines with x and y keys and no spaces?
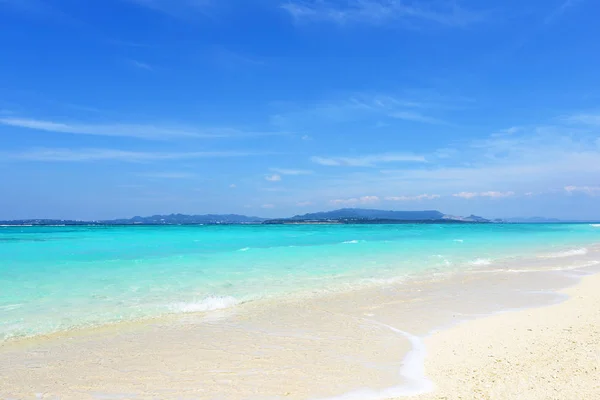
{"x":267,"y":206}
{"x":176,"y":8}
{"x":140,"y":131}
{"x":141,"y":65}
{"x":168,"y":175}
{"x":378,"y":12}
{"x":304,"y":203}
{"x":273,"y":178}
{"x":284,"y":171}
{"x":491,"y":194}
{"x":415,"y":116}
{"x":560,"y":10}
{"x":88,"y":155}
{"x":367,"y":160}
{"x":413,"y":198}
{"x":589,"y":190}
{"x":592,"y":119}
{"x":355,"y":201}
{"x":414,"y":106}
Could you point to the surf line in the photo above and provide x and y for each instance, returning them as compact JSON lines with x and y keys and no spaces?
{"x":412,"y":370}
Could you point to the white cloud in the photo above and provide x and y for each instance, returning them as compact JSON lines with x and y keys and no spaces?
{"x":354,"y":201}
{"x":497,"y":195}
{"x":284,"y":171}
{"x":415,"y":116}
{"x":267,"y":206}
{"x":306,"y":137}
{"x":168,"y":175}
{"x":466,"y":195}
{"x":273,"y":178}
{"x":589,"y":190}
{"x":82,"y":155}
{"x":491,"y":194}
{"x":140,"y":131}
{"x":232,"y":186}
{"x":304,"y":203}
{"x":413,"y":198}
{"x":367,"y":160}
{"x":584,"y":119}
{"x":380,"y":12}
{"x":141,"y":65}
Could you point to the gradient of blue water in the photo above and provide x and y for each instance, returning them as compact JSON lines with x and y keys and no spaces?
{"x":57,"y":278}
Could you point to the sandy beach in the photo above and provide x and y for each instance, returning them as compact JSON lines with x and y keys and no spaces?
{"x":544,"y":353}
{"x":375,"y":343}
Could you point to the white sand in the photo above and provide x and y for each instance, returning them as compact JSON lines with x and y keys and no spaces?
{"x":543,"y":353}
{"x":329,"y":346}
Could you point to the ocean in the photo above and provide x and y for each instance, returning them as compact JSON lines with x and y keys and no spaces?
{"x":55,"y":279}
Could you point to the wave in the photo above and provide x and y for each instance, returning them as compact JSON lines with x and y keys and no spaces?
{"x":569,"y":253}
{"x":595,"y":225}
{"x":211,"y":303}
{"x":480,"y":261}
{"x":351,"y":241}
{"x":458,"y":240}
{"x":412,"y":370}
{"x":244,"y":249}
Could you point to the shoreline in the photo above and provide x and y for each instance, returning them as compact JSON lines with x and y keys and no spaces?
{"x":544,"y":352}
{"x":501,"y":265}
{"x":318,"y":347}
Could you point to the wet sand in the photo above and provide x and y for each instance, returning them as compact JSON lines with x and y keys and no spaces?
{"x":356,"y":345}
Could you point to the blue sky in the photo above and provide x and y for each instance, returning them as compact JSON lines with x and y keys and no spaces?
{"x":117,"y":108}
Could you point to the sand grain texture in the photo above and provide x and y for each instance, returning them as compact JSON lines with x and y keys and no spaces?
{"x":543,"y":353}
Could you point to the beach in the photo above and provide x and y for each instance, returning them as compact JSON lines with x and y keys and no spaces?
{"x":542,"y":353}
{"x":522,"y":326}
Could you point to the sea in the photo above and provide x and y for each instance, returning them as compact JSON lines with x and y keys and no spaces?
{"x":62,"y":278}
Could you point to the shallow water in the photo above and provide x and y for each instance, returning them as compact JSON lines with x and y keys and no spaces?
{"x":60,"y":278}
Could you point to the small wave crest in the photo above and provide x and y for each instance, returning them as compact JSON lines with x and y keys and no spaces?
{"x":458,"y":240}
{"x":569,"y":253}
{"x":351,"y":241}
{"x":244,"y":249}
{"x":211,"y":303}
{"x":595,"y":225}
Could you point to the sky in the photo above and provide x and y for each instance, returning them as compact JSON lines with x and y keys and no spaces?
{"x":117,"y":108}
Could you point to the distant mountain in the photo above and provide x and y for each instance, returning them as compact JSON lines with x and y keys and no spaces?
{"x":174,"y":219}
{"x":470,"y":218}
{"x":345,"y":215}
{"x":360,"y":215}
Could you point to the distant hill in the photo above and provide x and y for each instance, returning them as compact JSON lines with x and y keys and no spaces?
{"x":345,"y":215}
{"x":360,"y":213}
{"x":171,"y":219}
{"x":174,"y":219}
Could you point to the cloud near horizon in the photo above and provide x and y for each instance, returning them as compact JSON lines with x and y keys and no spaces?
{"x":370,"y":160}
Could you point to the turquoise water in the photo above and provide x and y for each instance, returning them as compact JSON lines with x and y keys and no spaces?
{"x":58,"y":278}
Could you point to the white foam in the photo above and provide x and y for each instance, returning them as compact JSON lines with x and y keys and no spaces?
{"x":351,"y":242}
{"x":480,"y":262}
{"x":208,"y":304}
{"x":244,"y":249}
{"x":595,"y":225}
{"x":568,"y":253}
{"x":412,"y":370}
{"x":458,"y":240}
